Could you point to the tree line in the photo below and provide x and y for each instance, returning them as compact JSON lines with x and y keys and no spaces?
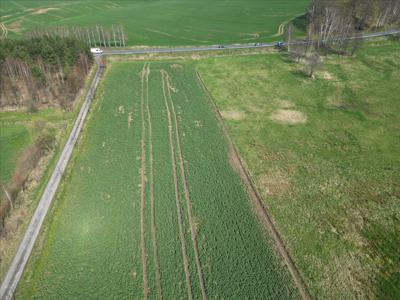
{"x":42,"y":71}
{"x":337,"y":26}
{"x":95,"y":36}
{"x":333,"y":22}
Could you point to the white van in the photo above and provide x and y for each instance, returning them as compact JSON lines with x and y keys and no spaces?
{"x":96,"y":50}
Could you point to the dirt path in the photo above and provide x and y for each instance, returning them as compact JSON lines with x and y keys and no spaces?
{"x":187,"y":196}
{"x":259,"y":207}
{"x":281,"y":29}
{"x":144,"y":79}
{"x":152,"y":203}
{"x":177,"y":195}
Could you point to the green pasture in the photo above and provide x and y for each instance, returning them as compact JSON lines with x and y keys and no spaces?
{"x":160,"y":23}
{"x":18,"y":130}
{"x":91,"y":244}
{"x":324,"y":153}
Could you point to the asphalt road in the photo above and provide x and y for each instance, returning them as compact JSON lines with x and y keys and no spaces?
{"x":224,"y":47}
{"x":16,"y":269}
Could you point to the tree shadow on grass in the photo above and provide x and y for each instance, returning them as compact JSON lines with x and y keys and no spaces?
{"x":300,"y":73}
{"x":286,"y":58}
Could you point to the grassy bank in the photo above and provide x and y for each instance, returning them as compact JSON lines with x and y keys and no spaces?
{"x":324,"y":153}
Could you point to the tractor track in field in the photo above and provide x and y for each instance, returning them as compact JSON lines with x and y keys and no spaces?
{"x":5,"y":31}
{"x":281,"y":29}
{"x":152,"y":202}
{"x":144,"y":76}
{"x":187,"y":196}
{"x":177,"y":195}
{"x":259,"y":206}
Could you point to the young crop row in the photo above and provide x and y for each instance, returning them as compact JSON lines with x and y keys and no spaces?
{"x":152,"y":207}
{"x":223,"y":251}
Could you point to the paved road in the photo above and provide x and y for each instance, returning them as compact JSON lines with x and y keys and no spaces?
{"x":16,"y":269}
{"x":216,"y":47}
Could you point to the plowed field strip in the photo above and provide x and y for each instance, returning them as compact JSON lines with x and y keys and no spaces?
{"x":187,"y":196}
{"x":144,"y":77}
{"x":152,"y":203}
{"x":177,"y":195}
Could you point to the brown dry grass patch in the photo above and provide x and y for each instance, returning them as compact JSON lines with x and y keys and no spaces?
{"x":15,"y":26}
{"x":177,"y":67}
{"x":326,"y":75}
{"x":274,"y":183}
{"x":232,"y":114}
{"x":285,"y":104}
{"x":289,"y":116}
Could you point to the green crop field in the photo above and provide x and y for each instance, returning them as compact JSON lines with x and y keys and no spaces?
{"x":324,"y":153}
{"x":166,"y":23}
{"x":151,"y":206}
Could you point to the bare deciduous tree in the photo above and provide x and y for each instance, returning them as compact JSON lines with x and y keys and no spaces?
{"x":94,"y":36}
{"x":311,"y":62}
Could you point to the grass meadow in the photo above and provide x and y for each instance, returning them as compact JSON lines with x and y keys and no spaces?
{"x":151,"y":206}
{"x":159,"y":23}
{"x":324,"y":153}
{"x":19,"y":130}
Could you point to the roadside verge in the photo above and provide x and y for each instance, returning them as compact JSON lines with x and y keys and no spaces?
{"x":17,"y":266}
